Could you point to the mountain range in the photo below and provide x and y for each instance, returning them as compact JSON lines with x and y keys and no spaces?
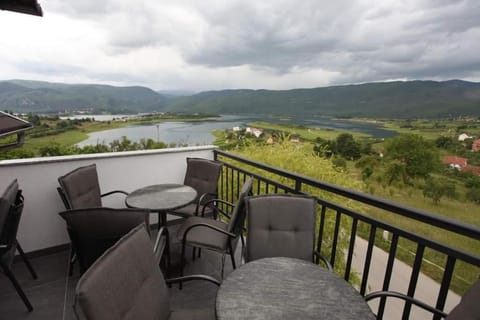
{"x":397,"y":99}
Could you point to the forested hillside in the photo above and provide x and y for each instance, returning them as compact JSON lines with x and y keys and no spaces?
{"x":381,"y":100}
{"x":39,"y":96}
{"x":400,"y":99}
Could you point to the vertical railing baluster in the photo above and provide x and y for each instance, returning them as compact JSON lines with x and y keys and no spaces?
{"x":388,"y":274}
{"x":232,"y":196}
{"x":238,"y":185}
{"x":298,"y":186}
{"x":447,"y":278}
{"x":351,"y":247}
{"x":368,"y":259}
{"x":335,"y":238}
{"x":413,"y":279}
{"x":321,"y":227}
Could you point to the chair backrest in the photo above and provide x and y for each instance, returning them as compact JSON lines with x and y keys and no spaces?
{"x":280,"y":226}
{"x":469,"y":306}
{"x":11,"y":207}
{"x":237,"y":219}
{"x":94,"y":230}
{"x":80,"y":188}
{"x":124,"y":283}
{"x":202,"y":175}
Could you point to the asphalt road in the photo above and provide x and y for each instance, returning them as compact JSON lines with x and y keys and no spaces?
{"x":427,"y":289}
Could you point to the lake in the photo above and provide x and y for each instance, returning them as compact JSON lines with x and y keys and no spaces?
{"x":200,"y":133}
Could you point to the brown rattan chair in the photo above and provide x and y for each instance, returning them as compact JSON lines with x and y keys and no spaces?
{"x":11,"y":207}
{"x":217,"y":235}
{"x":467,"y":309}
{"x":94,"y":230}
{"x":282,"y":225}
{"x":126,"y":283}
{"x":80,"y":188}
{"x":202,"y":175}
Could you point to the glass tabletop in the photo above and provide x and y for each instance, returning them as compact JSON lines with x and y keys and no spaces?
{"x":161,"y":197}
{"x":287,"y":288}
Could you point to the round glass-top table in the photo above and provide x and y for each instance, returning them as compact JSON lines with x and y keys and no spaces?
{"x":162,"y":198}
{"x":287,"y":288}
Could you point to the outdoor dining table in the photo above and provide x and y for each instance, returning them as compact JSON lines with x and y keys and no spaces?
{"x":161,"y":198}
{"x":287,"y":288}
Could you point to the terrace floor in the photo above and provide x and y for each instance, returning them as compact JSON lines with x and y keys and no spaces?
{"x":52,"y":293}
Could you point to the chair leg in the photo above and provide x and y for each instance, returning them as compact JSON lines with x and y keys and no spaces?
{"x":232,"y":253}
{"x":27,"y":262}
{"x":15,"y":283}
{"x":71,"y":262}
{"x":182,"y":265}
{"x":223,"y":265}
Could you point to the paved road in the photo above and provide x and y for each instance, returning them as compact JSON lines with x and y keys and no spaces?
{"x":427,"y":289}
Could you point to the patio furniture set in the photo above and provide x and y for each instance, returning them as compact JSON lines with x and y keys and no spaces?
{"x":120,"y":264}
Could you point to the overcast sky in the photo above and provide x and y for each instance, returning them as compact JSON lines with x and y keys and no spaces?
{"x":221,"y":44}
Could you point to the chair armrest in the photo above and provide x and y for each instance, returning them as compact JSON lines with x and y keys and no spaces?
{"x":201,"y":199}
{"x":193,"y":277}
{"x":325,"y":261}
{"x":394,"y":294}
{"x":204,"y":224}
{"x":114,"y":191}
{"x":217,"y":209}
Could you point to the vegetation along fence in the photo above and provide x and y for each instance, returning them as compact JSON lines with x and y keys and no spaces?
{"x":444,"y":249}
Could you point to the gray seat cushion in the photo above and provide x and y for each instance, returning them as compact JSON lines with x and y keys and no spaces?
{"x":81,"y":187}
{"x":280,"y":226}
{"x":203,"y":236}
{"x":202,"y":175}
{"x":124,"y":283}
{"x":469,"y":306}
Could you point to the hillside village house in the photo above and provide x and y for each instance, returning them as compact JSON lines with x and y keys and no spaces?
{"x":464,"y":136}
{"x":476,"y":145}
{"x":460,"y":164}
{"x":257,"y":132}
{"x":455,"y":162}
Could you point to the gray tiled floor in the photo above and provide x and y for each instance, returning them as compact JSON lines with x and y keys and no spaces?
{"x":52,"y":293}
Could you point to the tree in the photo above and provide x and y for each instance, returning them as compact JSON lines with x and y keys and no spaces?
{"x":395,"y":171}
{"x":445,"y":142}
{"x":418,"y":155}
{"x":474,"y":195}
{"x":437,"y":188}
{"x":323,"y":147}
{"x":347,"y":147}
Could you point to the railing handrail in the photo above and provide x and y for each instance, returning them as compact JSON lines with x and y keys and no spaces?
{"x":424,"y":216}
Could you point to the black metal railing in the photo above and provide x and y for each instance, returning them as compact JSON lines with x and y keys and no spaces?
{"x":340,"y":225}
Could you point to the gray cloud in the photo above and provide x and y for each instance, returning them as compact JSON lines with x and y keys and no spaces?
{"x":271,"y":44}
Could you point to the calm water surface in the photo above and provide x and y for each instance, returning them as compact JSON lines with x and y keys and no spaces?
{"x":200,"y":133}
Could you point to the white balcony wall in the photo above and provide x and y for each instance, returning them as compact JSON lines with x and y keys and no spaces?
{"x":41,"y":227}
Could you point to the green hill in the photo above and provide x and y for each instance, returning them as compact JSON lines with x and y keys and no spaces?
{"x":408,"y":99}
{"x":399,"y":99}
{"x":39,"y":96}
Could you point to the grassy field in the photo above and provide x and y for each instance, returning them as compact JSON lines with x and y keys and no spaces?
{"x":307,"y":133}
{"x":433,"y":262}
{"x":70,"y":137}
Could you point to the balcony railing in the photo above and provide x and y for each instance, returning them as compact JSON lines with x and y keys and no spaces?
{"x":341,"y":227}
{"x":369,"y":252}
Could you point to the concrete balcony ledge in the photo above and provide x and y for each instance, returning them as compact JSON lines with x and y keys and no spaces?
{"x":41,"y":227}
